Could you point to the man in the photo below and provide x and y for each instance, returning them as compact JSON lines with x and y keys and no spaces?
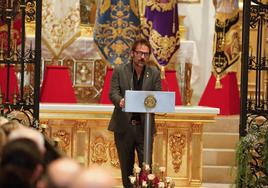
{"x":60,"y":173}
{"x":21,"y":164}
{"x":128,"y":128}
{"x":94,"y":177}
{"x":29,"y":133}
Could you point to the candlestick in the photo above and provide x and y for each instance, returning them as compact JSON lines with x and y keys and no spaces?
{"x":15,"y":57}
{"x":2,"y":50}
{"x":15,"y":96}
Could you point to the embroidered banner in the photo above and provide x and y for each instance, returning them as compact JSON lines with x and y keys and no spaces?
{"x":160,"y":26}
{"x":60,"y":24}
{"x":226,"y":38}
{"x":116,"y":28}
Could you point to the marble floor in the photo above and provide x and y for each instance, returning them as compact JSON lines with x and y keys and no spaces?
{"x":216,"y":185}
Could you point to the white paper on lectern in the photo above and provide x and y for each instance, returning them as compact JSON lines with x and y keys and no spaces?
{"x":134,"y":101}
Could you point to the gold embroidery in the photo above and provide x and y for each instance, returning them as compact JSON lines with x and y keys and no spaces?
{"x":159,"y":6}
{"x":59,"y":33}
{"x":226,"y":46}
{"x":134,"y":7}
{"x":119,"y":28}
{"x":164,"y":46}
{"x":104,"y":6}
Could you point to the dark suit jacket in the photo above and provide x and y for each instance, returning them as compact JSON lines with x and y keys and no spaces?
{"x":122,"y":80}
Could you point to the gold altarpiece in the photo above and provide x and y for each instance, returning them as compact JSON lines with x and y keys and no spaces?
{"x":83,"y":134}
{"x":82,"y":129}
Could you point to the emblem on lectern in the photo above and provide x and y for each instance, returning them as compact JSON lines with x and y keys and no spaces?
{"x":150,"y":101}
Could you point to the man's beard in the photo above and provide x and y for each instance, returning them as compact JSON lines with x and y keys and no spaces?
{"x":141,"y":63}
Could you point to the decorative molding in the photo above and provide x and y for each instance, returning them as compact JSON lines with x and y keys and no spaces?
{"x":197,"y":127}
{"x":65,"y":139}
{"x":177,"y":142}
{"x":99,"y":150}
{"x":113,"y":155}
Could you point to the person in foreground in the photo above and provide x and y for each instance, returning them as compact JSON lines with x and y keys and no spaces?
{"x":128,"y":128}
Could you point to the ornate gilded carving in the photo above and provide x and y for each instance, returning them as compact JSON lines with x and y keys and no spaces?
{"x":99,"y":73}
{"x":197,"y":127}
{"x":69,"y":62}
{"x":81,"y":125}
{"x":65,"y":139}
{"x":177,"y":142}
{"x":113,"y":155}
{"x":99,"y":150}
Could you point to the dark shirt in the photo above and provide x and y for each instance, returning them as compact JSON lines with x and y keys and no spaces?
{"x":137,"y":84}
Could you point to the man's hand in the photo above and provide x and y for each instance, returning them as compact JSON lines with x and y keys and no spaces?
{"x":122,"y":103}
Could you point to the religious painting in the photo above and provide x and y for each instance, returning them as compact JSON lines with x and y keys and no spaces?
{"x":188,"y":1}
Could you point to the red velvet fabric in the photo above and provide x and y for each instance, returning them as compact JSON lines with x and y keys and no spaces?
{"x":106,"y":87}
{"x":13,"y":83}
{"x":227,"y":98}
{"x":57,"y":86}
{"x":168,"y":84}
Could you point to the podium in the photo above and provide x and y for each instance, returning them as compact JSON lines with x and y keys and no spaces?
{"x":149,"y":102}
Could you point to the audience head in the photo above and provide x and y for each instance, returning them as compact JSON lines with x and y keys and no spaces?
{"x":94,"y":177}
{"x":3,"y":120}
{"x":21,"y":160}
{"x":60,"y":173}
{"x":3,"y":139}
{"x":9,"y":126}
{"x":32,"y":134}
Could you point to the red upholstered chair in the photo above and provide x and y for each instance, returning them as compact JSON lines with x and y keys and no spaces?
{"x":168,"y":84}
{"x":226,"y":98}
{"x":13,"y":82}
{"x":57,"y":86}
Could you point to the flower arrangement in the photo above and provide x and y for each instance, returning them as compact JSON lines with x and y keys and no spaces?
{"x":142,"y":178}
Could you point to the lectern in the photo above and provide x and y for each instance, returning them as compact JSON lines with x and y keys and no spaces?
{"x":149,"y":102}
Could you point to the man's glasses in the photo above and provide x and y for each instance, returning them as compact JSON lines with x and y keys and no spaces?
{"x":140,"y":54}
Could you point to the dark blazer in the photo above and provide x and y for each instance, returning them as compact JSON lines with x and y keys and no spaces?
{"x":122,"y":80}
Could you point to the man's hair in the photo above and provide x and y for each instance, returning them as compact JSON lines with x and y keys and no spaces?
{"x":19,"y":160}
{"x":142,"y":42}
{"x":21,"y":152}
